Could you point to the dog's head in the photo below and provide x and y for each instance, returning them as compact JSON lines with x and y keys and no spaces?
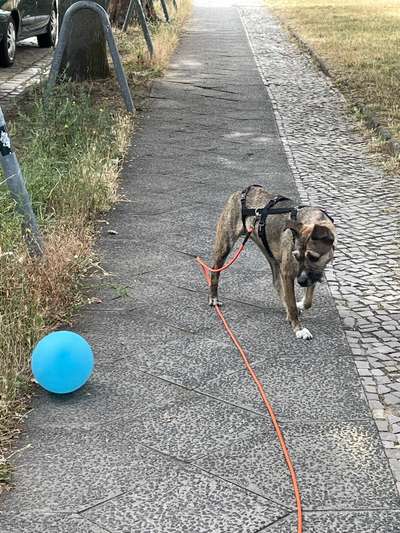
{"x":313,"y":249}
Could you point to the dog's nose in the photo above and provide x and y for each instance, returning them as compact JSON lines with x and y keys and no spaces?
{"x":303,"y":282}
{"x":303,"y":279}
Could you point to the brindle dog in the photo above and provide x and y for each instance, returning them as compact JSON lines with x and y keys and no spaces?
{"x":301,"y":249}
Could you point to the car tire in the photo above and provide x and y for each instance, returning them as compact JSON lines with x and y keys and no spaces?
{"x":8,"y":44}
{"x":49,"y":39}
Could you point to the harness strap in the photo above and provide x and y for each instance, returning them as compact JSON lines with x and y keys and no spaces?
{"x":245,"y":211}
{"x":261,"y":215}
{"x":269,"y":210}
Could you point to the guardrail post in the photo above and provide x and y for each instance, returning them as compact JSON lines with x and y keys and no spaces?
{"x":137,"y":5}
{"x":62,"y":43}
{"x":129,"y":15}
{"x":165,"y":9}
{"x":16,"y":184}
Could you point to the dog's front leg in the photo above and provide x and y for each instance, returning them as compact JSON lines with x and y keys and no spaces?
{"x":291,"y":308}
{"x":306,"y":301}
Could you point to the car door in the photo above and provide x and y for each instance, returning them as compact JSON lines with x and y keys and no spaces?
{"x":43,"y":13}
{"x":27,"y":11}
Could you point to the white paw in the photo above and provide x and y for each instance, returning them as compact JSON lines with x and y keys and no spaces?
{"x":300,"y":306}
{"x":303,"y":334}
{"x":214,"y":302}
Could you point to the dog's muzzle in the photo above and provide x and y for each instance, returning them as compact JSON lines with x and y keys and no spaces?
{"x":308,"y":279}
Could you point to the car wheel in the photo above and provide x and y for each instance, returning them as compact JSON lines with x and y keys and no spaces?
{"x":8,"y":45}
{"x":49,"y":39}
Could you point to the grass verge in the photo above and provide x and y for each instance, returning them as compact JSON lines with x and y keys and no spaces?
{"x":70,"y":152}
{"x":359,"y":43}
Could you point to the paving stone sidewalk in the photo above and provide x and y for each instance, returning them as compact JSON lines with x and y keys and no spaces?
{"x":169,"y":434}
{"x":30,"y":63}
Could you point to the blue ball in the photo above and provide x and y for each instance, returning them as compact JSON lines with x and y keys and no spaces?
{"x":62,"y":362}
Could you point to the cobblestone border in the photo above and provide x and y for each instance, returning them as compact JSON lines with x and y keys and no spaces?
{"x":331,"y":166}
{"x":369,"y":119}
{"x":14,"y":81}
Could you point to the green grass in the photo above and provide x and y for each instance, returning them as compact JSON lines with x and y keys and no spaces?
{"x":70,"y":151}
{"x":360,"y":42}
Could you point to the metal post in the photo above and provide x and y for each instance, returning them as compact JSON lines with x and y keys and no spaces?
{"x":16,"y":184}
{"x":137,"y":5}
{"x":129,"y":15}
{"x":62,"y":43}
{"x":165,"y":9}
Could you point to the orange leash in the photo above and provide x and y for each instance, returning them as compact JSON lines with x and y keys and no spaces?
{"x":206,"y":269}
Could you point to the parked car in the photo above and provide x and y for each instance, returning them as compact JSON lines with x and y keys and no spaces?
{"x":20,"y":19}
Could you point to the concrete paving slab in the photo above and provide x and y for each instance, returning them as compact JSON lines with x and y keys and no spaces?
{"x":188,"y":501}
{"x":263,"y":327}
{"x":173,"y":228}
{"x":95,"y":326}
{"x":74,"y":470}
{"x":182,"y":309}
{"x":340,"y":522}
{"x":126,"y":259}
{"x":195,"y":427}
{"x":192,"y":361}
{"x":340,"y":465}
{"x":47,"y":523}
{"x":299,"y":388}
{"x":265,"y":331}
{"x":249,"y":279}
{"x":116,"y":391}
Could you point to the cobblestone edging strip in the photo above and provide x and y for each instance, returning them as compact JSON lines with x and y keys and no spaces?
{"x":31,"y":63}
{"x":333,"y":168}
{"x":370,"y":120}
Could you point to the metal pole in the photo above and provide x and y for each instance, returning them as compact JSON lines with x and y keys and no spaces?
{"x":62,"y":43}
{"x":137,"y":5}
{"x":129,"y":15}
{"x":175,"y":4}
{"x":119,"y":69}
{"x":165,"y":9}
{"x":16,"y":184}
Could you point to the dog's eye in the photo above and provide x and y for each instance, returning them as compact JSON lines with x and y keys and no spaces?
{"x":313,"y":258}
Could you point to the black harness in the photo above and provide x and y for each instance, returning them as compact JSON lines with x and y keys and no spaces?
{"x":261,"y":214}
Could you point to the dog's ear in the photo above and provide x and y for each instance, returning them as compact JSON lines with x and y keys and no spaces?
{"x":322,"y":233}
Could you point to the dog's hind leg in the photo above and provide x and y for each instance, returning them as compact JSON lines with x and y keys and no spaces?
{"x":229,"y":229}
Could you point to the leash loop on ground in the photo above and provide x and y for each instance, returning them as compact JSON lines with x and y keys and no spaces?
{"x":206,"y":270}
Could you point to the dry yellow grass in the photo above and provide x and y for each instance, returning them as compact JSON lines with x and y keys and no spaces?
{"x":359,"y":40}
{"x":165,"y":39}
